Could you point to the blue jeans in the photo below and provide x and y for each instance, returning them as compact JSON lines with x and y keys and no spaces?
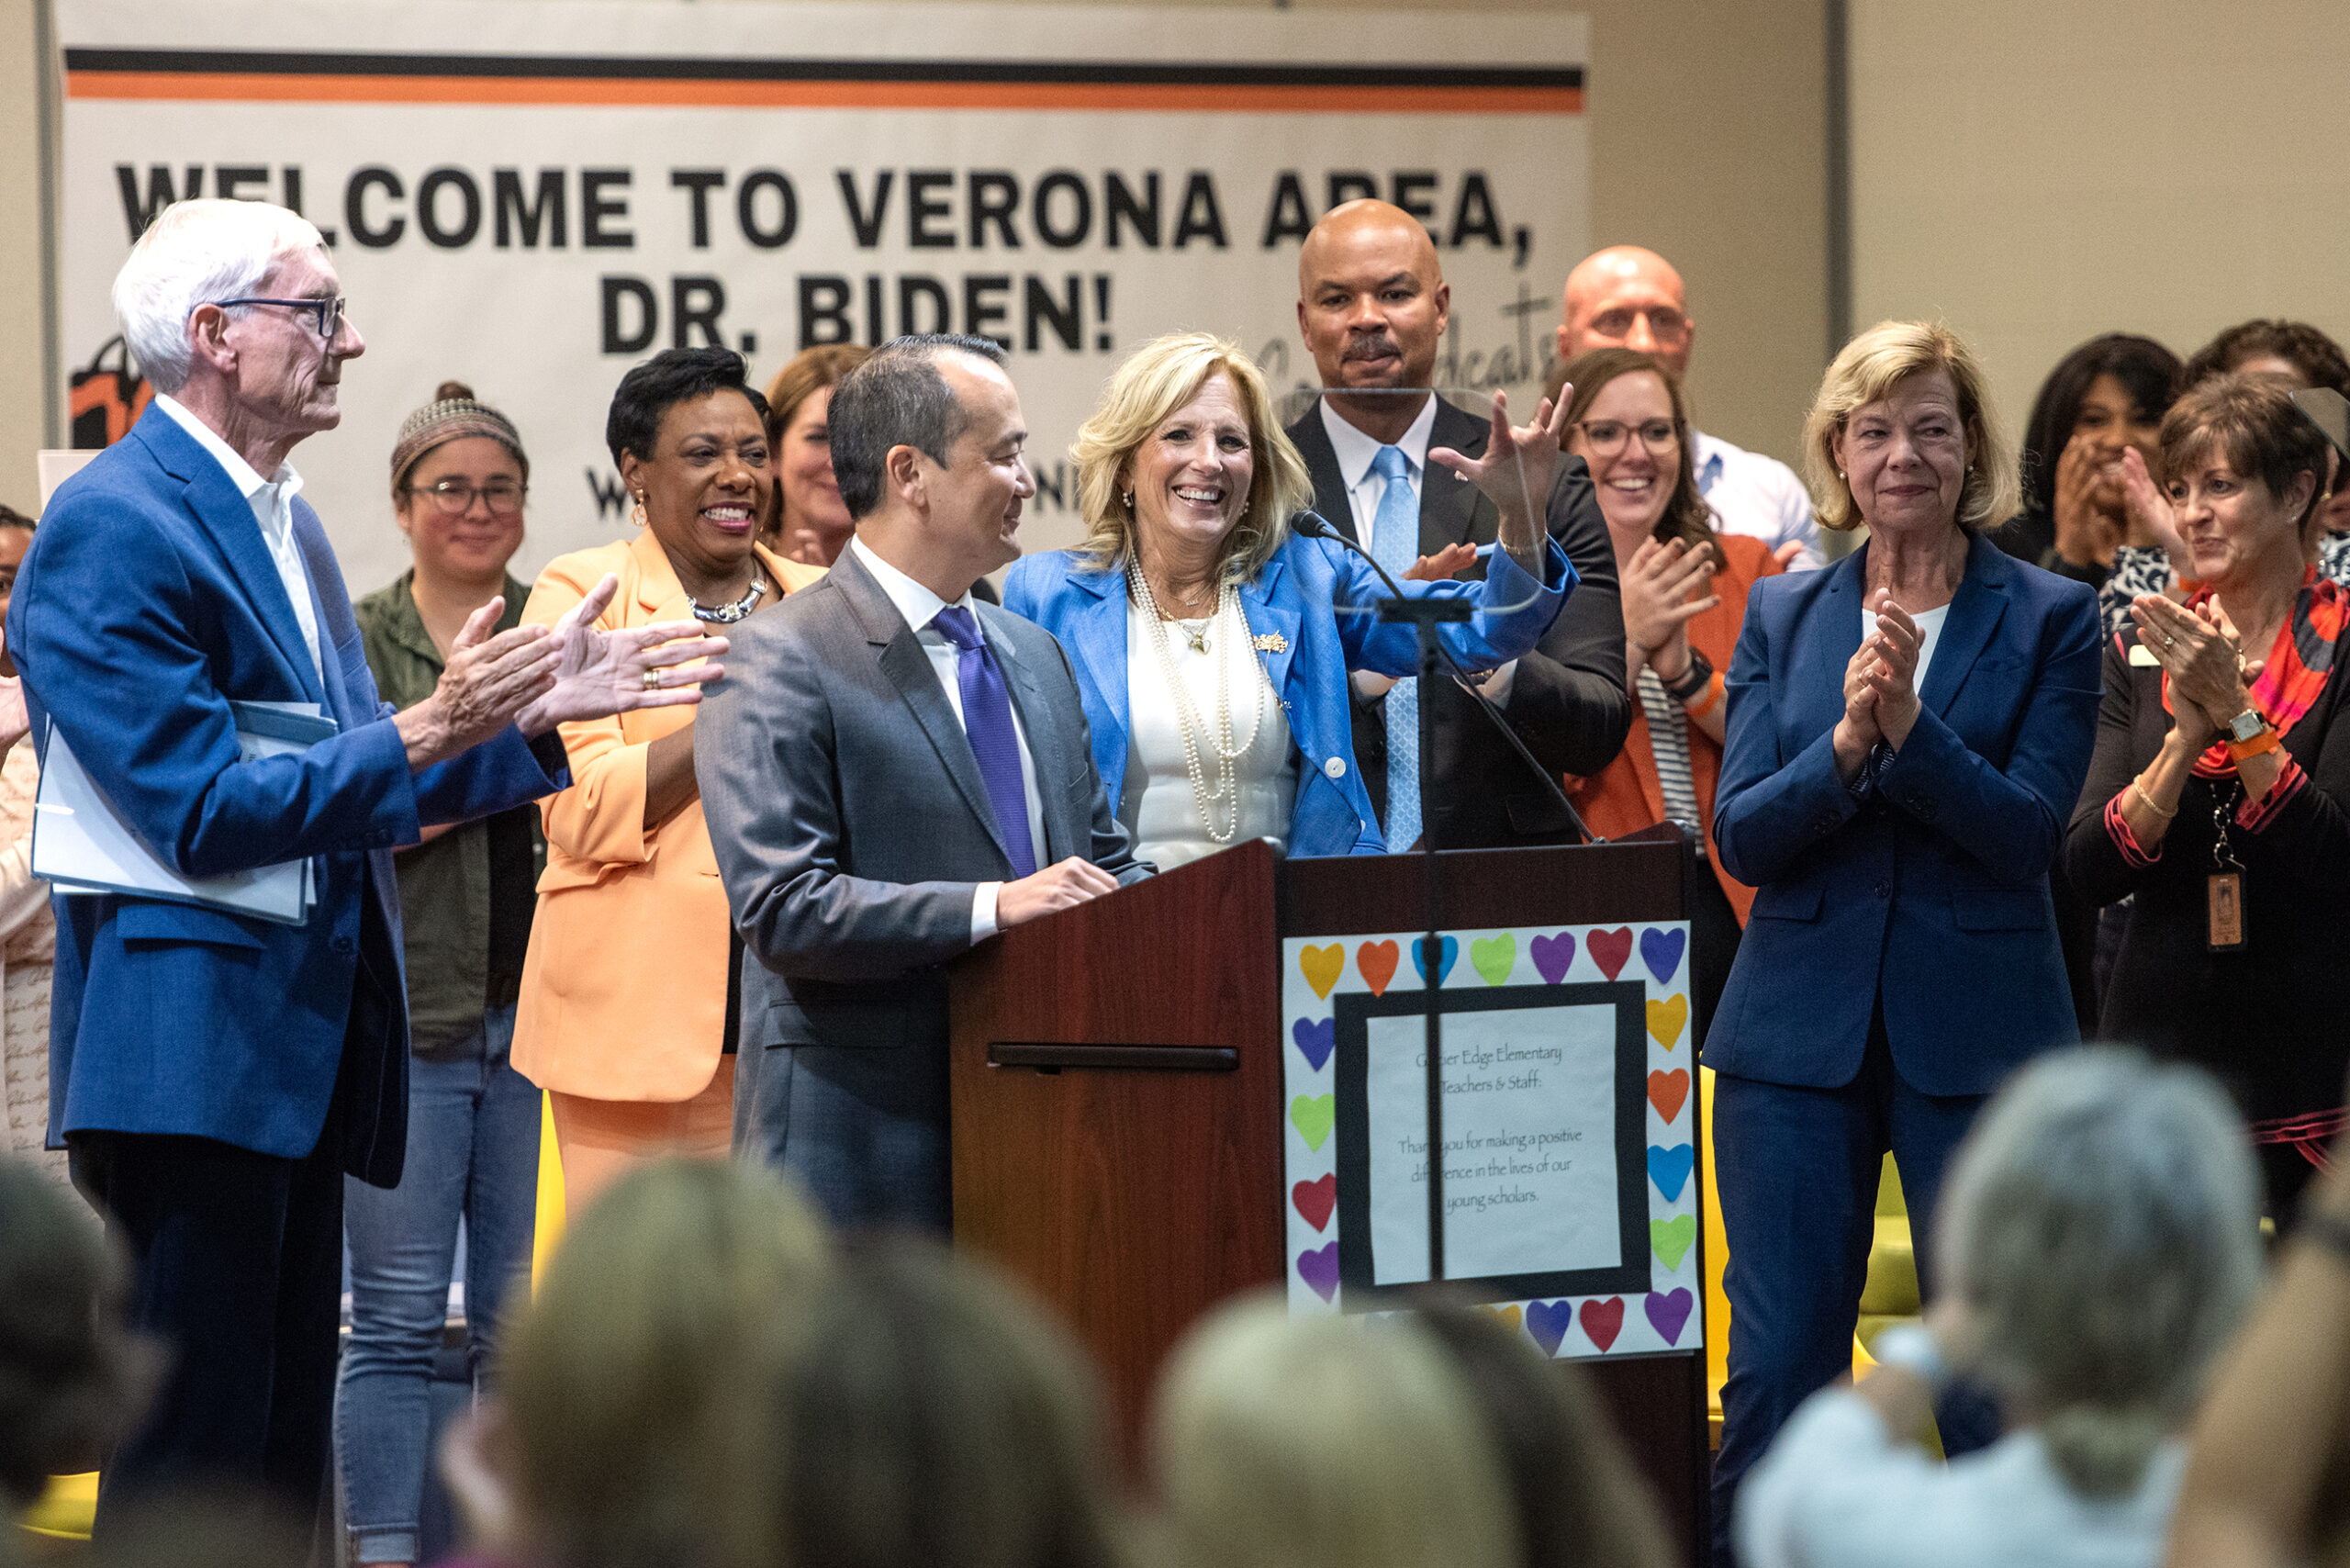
{"x":473,"y":1151}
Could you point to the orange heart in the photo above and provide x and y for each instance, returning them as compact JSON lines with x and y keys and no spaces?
{"x":1668,"y":1092}
{"x":1377,"y":960}
{"x":1323,"y":966}
{"x":1667,"y":1018}
{"x":1513,"y":1314}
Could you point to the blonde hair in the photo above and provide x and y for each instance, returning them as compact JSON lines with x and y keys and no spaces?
{"x":1870,"y":366}
{"x":1160,"y":377}
{"x":1283,"y":1442}
{"x":618,"y":1380}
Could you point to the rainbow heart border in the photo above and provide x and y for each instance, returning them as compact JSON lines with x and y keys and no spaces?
{"x":1668,"y":1316}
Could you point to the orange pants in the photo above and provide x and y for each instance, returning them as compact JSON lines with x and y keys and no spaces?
{"x":602,"y":1141}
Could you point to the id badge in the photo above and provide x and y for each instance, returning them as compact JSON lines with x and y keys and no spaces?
{"x":2224,"y":911}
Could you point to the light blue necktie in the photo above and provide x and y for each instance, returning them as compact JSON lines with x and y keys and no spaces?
{"x":1396,"y":545}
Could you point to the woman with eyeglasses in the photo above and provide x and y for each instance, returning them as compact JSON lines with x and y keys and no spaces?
{"x":459,"y":475}
{"x":1684,"y":596}
{"x":629,"y":1045}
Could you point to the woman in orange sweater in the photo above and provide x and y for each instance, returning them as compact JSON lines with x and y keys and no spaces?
{"x":1684,"y":595}
{"x":623,"y":1013}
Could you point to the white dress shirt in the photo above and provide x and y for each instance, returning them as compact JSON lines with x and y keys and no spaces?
{"x":1157,"y":803}
{"x":1836,"y":1491}
{"x":1756,"y":495}
{"x":921,"y":607}
{"x":273,"y":504}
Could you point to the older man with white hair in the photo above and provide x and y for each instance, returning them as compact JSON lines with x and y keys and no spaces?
{"x":214,"y":1073}
{"x":1629,"y":298}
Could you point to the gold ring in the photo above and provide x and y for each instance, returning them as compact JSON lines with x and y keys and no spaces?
{"x":653,"y":680}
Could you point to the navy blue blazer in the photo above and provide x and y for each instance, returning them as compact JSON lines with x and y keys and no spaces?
{"x":148,"y":601}
{"x":1316,"y":599}
{"x":1931,"y":887}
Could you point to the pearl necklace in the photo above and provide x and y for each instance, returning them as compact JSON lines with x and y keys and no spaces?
{"x":1187,"y":719}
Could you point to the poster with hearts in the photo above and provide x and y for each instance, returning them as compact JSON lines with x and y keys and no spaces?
{"x":1573,"y":1046}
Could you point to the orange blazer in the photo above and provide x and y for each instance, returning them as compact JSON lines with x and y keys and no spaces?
{"x":624,"y":986}
{"x":1625,"y":795}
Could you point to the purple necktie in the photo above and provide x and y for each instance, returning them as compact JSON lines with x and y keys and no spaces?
{"x":987,"y":720}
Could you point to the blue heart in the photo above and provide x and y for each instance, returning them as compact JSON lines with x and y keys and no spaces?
{"x":1670,"y":1168}
{"x":1451,"y":950}
{"x":1661,"y":950}
{"x":1316,"y":1038}
{"x":1548,"y":1321}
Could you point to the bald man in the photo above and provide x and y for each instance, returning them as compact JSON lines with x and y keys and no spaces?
{"x":1372,"y":304}
{"x":1626,"y":297}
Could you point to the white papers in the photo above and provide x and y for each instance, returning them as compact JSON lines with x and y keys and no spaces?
{"x":1530,"y":1143}
{"x":80,"y":846}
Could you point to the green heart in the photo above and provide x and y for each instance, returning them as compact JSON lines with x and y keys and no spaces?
{"x":1495,"y":957}
{"x":1671,"y":1239}
{"x":1312,"y":1115}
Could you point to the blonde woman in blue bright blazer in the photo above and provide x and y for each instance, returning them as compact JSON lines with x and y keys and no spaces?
{"x":1211,"y":643}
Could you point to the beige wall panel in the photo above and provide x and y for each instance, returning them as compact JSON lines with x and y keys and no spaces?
{"x":2037,"y":174}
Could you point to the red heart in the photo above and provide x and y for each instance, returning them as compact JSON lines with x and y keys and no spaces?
{"x":1608,"y":949}
{"x":1315,"y":1200}
{"x":1377,"y":960}
{"x":1668,"y":1092}
{"x":1602,"y":1320}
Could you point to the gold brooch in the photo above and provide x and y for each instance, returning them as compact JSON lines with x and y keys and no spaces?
{"x":1270,"y":643}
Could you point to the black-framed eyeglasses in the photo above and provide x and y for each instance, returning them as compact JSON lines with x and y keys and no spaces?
{"x":456,"y":497}
{"x":1608,"y":437}
{"x":327,"y":313}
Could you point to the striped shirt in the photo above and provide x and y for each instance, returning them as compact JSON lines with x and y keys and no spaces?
{"x":1669,"y":741}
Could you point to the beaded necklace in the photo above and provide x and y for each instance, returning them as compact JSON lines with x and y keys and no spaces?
{"x":1187,"y":718}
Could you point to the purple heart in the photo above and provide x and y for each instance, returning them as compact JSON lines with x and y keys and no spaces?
{"x":1554,"y":955}
{"x":1548,"y":1321}
{"x":1319,"y":1269}
{"x":1316,"y":1039}
{"x":1669,"y":1313}
{"x":1661,"y":950}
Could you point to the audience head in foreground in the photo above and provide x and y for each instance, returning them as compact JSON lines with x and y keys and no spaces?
{"x":1287,"y":1441}
{"x":2099,"y":1240}
{"x":1578,"y":1502}
{"x":922,"y":1410}
{"x":616,"y":1419}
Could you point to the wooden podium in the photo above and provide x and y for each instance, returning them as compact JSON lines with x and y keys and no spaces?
{"x":1118,"y":1083}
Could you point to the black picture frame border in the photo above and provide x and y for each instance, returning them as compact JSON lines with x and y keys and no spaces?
{"x":1352,"y":1013}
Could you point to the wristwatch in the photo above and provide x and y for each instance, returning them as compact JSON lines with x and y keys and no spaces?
{"x":2245,"y":725}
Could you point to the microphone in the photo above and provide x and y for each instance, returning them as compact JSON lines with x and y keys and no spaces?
{"x":1314,"y":525}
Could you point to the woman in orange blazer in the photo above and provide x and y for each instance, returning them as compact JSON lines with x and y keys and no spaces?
{"x":1685,"y":596}
{"x":624,"y":1013}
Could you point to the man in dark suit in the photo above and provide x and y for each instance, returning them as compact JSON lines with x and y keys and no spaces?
{"x":215,"y":1074}
{"x":1372,"y":304}
{"x":893,"y":773}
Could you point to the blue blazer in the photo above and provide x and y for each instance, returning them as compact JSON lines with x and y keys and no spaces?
{"x":1930,"y":888}
{"x":1317,"y":598}
{"x":148,"y":601}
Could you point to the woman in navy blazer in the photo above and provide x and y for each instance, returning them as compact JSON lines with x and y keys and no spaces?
{"x":1908,"y":730}
{"x":1191,"y":583}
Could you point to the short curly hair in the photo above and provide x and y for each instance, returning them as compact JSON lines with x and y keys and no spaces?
{"x":2317,"y":357}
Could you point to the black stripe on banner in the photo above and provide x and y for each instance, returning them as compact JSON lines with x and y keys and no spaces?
{"x":211,"y":62}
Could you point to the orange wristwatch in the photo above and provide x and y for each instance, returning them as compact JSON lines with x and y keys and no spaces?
{"x":2249,"y":734}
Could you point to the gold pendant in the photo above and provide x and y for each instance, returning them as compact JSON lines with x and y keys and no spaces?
{"x":1270,"y":643}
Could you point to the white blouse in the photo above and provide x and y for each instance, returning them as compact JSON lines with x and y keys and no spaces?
{"x":1157,"y":803}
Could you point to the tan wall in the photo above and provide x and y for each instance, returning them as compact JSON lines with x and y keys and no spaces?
{"x":2037,"y":174}
{"x":1706,"y":140}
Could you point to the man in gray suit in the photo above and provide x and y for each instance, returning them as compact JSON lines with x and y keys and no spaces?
{"x":892,"y":774}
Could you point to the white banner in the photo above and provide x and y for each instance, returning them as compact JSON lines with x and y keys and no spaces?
{"x":530,"y":197}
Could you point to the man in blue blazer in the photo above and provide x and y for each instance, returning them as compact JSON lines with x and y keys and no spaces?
{"x":215,"y":1074}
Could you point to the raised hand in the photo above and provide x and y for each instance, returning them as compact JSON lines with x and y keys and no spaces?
{"x":1894,"y":676}
{"x":2210,"y":679}
{"x":2085,"y":535}
{"x":1665,"y":586}
{"x":2151,"y":511}
{"x":488,"y":679}
{"x":1857,"y":732}
{"x":597,"y":674}
{"x":1515,"y":470}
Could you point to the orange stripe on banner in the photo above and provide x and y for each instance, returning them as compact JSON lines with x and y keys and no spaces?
{"x":164,"y":86}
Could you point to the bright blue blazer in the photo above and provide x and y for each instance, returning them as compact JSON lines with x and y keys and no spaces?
{"x":1929,"y":889}
{"x":148,"y":601}
{"x":1318,"y":599}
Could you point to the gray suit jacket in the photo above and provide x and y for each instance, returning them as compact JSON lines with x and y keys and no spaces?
{"x":849,"y":817}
